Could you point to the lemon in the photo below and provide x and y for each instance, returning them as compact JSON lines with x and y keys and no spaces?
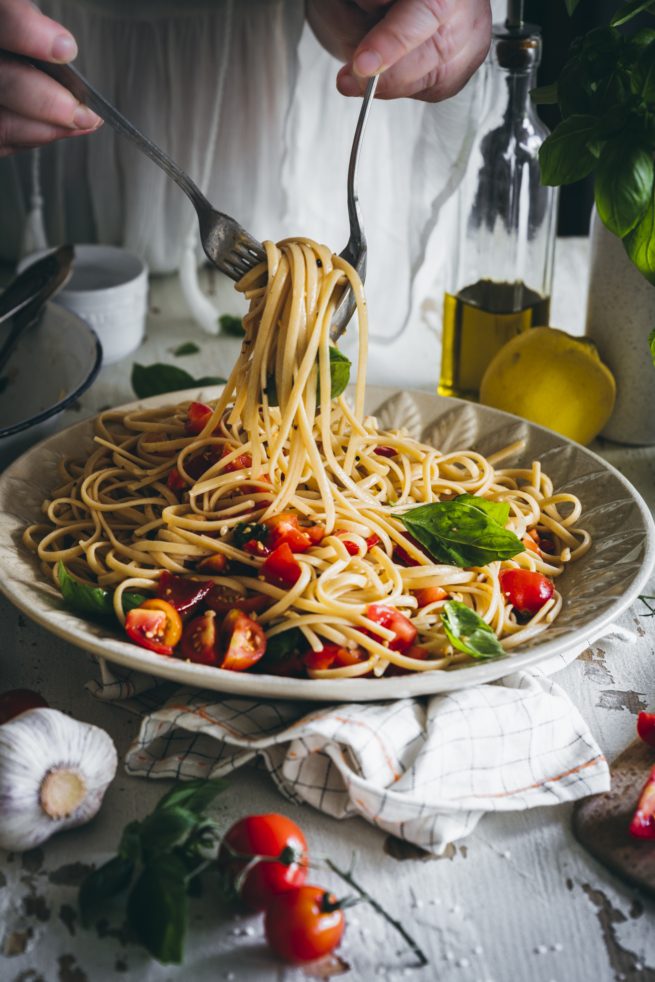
{"x":554,"y":379}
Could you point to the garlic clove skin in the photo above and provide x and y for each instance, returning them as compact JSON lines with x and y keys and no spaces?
{"x":54,"y":772}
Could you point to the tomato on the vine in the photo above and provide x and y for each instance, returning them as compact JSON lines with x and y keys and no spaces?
{"x":268,"y":835}
{"x":17,"y":701}
{"x":304,"y":924}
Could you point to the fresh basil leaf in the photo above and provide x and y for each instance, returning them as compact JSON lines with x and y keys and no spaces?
{"x":497,"y":511}
{"x":571,"y":5}
{"x":640,"y":243}
{"x":564,"y":156}
{"x":246,"y":531}
{"x":188,"y":348}
{"x":195,"y":796}
{"x":231,"y":325}
{"x":574,"y":91}
{"x":101,"y":884}
{"x":157,"y":908}
{"x":130,"y":844}
{"x":460,"y":534}
{"x":623,"y":186}
{"x":339,"y":372}
{"x":285,"y":645}
{"x":165,"y":829}
{"x":644,"y":71}
{"x":154,"y":380}
{"x":467,"y":632}
{"x":651,"y":345}
{"x":92,"y":601}
{"x":630,"y":9}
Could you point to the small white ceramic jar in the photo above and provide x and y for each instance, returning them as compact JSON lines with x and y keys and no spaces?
{"x":109,"y":290}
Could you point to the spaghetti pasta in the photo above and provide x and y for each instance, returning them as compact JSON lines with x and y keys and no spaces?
{"x":153,"y":496}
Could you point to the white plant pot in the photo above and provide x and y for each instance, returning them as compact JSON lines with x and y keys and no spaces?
{"x":620,"y":316}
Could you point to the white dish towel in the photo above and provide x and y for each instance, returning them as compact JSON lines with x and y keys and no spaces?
{"x":424,"y":769}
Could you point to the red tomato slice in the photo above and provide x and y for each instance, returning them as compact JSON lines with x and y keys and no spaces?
{"x":646,"y":728}
{"x":197,"y":465}
{"x":386,"y":452}
{"x":182,"y":592}
{"x":197,"y":417}
{"x":147,"y":628}
{"x":222,"y":599}
{"x":642,"y":825}
{"x":216,"y":563}
{"x":281,"y":567}
{"x":239,"y":463}
{"x":352,"y":549}
{"x":199,"y":641}
{"x":285,"y":528}
{"x":401,"y":626}
{"x":526,"y":590}
{"x":274,"y":836}
{"x":17,"y":701}
{"x":175,"y":481}
{"x":373,"y":540}
{"x":173,"y":629}
{"x":242,"y":642}
{"x":429,"y":595}
{"x":304,"y":924}
{"x":333,"y":656}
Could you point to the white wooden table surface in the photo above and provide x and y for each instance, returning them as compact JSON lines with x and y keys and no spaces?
{"x":517,"y":900}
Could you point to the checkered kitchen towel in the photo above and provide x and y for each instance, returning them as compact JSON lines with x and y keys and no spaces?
{"x":424,"y":769}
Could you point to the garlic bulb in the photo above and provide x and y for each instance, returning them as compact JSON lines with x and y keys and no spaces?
{"x":53,"y":775}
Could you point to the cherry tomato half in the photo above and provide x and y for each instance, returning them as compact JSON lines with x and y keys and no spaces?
{"x":200,"y":640}
{"x":222,"y":599}
{"x":197,"y":417}
{"x":333,"y":656}
{"x":392,"y":619}
{"x":264,"y":835}
{"x":147,"y":628}
{"x":242,"y":642}
{"x":527,"y":591}
{"x":173,"y":629}
{"x":17,"y":701}
{"x":280,"y":567}
{"x":304,"y":924}
{"x":182,"y":592}
{"x":286,"y":528}
{"x":429,"y":595}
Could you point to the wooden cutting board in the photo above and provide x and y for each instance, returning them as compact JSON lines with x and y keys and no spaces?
{"x":600,"y":823}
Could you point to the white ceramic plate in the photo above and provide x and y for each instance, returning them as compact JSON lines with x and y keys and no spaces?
{"x":595,"y":590}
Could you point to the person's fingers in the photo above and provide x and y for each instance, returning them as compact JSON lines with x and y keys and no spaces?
{"x":18,"y":133}
{"x":28,"y":92}
{"x":339,"y":26}
{"x":405,"y":26}
{"x":26,"y":31}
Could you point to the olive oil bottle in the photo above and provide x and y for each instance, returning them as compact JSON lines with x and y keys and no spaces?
{"x":500,"y":279}
{"x":477,"y":322}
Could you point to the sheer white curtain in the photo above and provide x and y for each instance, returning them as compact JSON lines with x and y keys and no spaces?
{"x":243,"y":97}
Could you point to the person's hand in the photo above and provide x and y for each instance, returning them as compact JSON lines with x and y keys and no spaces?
{"x":426,"y":49}
{"x":33,"y":108}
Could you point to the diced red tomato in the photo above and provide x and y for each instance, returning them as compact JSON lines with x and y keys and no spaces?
{"x":386,"y":452}
{"x":183,"y":592}
{"x":373,"y":540}
{"x":175,"y":481}
{"x":255,"y":547}
{"x":281,"y":567}
{"x":173,"y":630}
{"x":429,"y":595}
{"x":216,"y":563}
{"x":642,"y":825}
{"x":242,"y":642}
{"x":222,"y":599}
{"x":147,"y":628}
{"x":285,"y":528}
{"x":333,"y":656}
{"x":197,"y":417}
{"x":646,"y":728}
{"x":240,"y":463}
{"x":352,"y":549}
{"x":392,"y":619}
{"x":527,"y":591}
{"x":197,"y":465}
{"x":416,"y":651}
{"x":530,"y":543}
{"x":402,"y":557}
{"x":200,"y":640}
{"x":17,"y":701}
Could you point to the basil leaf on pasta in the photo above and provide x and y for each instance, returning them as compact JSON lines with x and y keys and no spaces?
{"x":92,"y":601}
{"x":153,"y":380}
{"x":467,"y":632}
{"x":339,"y":372}
{"x":463,"y":532}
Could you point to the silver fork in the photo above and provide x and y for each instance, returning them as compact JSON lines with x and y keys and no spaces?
{"x":355,"y":252}
{"x":233,"y":250}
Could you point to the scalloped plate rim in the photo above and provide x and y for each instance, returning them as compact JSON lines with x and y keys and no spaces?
{"x":66,"y":625}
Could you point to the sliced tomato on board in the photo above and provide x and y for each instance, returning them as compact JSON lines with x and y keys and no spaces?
{"x":526,"y":590}
{"x":197,"y":416}
{"x":242,"y":642}
{"x":281,"y":568}
{"x":183,"y":592}
{"x":200,"y":640}
{"x":147,"y":628}
{"x":222,"y":599}
{"x":392,"y":619}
